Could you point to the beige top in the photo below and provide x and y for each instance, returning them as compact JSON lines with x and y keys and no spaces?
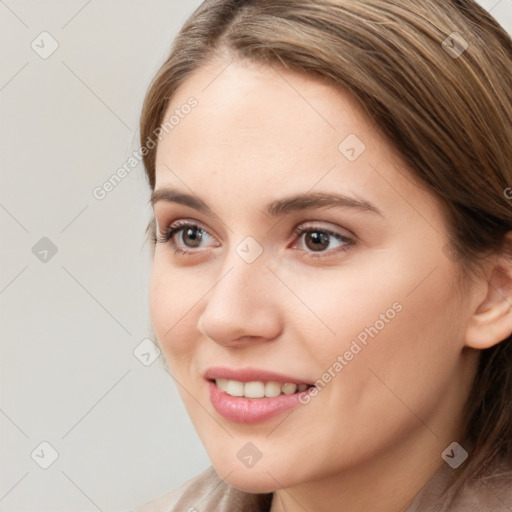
{"x":207,"y":492}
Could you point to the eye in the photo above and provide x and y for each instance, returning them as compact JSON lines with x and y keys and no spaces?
{"x":190,"y":235}
{"x":186,"y":237}
{"x":321,"y":241}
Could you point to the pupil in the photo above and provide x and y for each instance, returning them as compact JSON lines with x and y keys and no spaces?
{"x":196,"y":239}
{"x":317,"y":237}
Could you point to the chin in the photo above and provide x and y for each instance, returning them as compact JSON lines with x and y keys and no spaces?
{"x":264,"y":476}
{"x":250,"y":480}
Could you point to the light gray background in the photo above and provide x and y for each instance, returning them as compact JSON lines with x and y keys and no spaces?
{"x":69,"y":326}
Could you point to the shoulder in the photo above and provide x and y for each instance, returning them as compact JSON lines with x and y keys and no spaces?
{"x":207,"y":491}
{"x":491,"y":492}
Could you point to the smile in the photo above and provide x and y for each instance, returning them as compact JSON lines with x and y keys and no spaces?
{"x":259,"y":389}
{"x":253,"y":395}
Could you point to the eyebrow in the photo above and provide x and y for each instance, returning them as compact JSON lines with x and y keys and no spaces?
{"x":276,"y":208}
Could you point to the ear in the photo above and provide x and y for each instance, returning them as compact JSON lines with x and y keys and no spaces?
{"x":491,"y":321}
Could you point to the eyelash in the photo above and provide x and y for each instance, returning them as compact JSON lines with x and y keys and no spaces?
{"x":180,"y":225}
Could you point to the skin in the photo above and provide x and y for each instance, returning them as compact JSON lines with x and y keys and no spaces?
{"x":258,"y":134}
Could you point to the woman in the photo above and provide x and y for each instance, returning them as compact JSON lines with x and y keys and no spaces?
{"x":332,"y":272}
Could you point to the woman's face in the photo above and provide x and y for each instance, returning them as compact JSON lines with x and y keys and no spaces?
{"x":357,"y":294}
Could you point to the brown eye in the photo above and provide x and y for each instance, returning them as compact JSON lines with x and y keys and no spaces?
{"x":323,"y":242}
{"x":194,"y":234}
{"x":316,"y":240}
{"x":183,"y":235}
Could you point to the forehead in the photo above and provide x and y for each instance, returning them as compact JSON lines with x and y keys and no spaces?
{"x":249,"y":113}
{"x":261,"y":132}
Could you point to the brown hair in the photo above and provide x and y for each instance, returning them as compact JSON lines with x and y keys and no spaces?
{"x":447,"y":110}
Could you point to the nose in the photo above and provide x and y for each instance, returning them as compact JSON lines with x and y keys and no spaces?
{"x":242,"y":306}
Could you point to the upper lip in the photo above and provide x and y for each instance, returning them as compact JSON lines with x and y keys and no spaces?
{"x":251,"y":375}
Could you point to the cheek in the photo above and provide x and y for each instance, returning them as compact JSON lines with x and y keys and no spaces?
{"x":394,"y":317}
{"x":360,"y":300}
{"x":404,"y":348}
{"x":172,"y":298}
{"x":406,"y":301}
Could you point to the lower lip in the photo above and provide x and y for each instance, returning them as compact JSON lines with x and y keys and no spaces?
{"x":250,"y":410}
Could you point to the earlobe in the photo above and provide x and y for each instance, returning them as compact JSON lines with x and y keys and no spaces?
{"x":491,"y":322}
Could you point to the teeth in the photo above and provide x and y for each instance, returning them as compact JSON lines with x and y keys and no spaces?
{"x":235,"y":388}
{"x":288,"y":389}
{"x":272,"y":389}
{"x":258,"y":389}
{"x":222,"y":384}
{"x":254,"y":389}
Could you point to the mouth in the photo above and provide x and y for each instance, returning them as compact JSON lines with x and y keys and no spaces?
{"x":250,"y":395}
{"x":259,"y":389}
